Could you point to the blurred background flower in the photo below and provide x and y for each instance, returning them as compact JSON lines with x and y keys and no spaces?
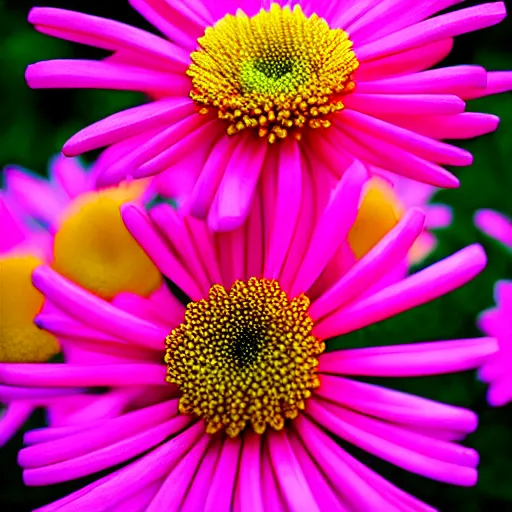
{"x":36,"y":124}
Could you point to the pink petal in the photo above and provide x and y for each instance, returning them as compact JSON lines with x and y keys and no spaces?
{"x":89,"y":74}
{"x":422,"y":287}
{"x":292,"y":481}
{"x":332,"y":228}
{"x":248,"y":488}
{"x":143,"y":231}
{"x":128,"y":123}
{"x":447,"y":25}
{"x":236,"y":190}
{"x":70,"y":175}
{"x":495,"y":225}
{"x":392,"y":249}
{"x":95,"y":312}
{"x":221,"y":489}
{"x":172,"y":492}
{"x":287,"y":209}
{"x":12,"y":419}
{"x":33,"y":396}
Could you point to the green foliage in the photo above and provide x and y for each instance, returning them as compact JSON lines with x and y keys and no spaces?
{"x":35,"y":124}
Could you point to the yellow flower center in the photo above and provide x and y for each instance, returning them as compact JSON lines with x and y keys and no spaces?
{"x":276,"y":72}
{"x":244,"y":355}
{"x":20,"y":340}
{"x":378,"y":214}
{"x":94,"y":249}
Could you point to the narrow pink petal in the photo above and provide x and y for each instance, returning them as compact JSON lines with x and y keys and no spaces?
{"x":143,"y":231}
{"x":166,"y":313}
{"x":438,"y":216}
{"x":349,"y":12}
{"x":497,"y":82}
{"x":248,"y":489}
{"x":267,"y":194}
{"x":447,"y":25}
{"x":35,"y":196}
{"x":287,"y":209}
{"x":237,"y":245}
{"x":96,"y":312}
{"x":138,"y":501}
{"x":12,"y":419}
{"x":392,"y":452}
{"x":396,"y":406}
{"x":198,"y":491}
{"x":451,"y":453}
{"x":31,"y":395}
{"x":255,"y":238}
{"x":72,"y":375}
{"x":90,"y":74}
{"x":136,"y":476}
{"x":370,"y":27}
{"x":459,"y":126}
{"x":200,"y":140}
{"x":12,"y":231}
{"x":107,"y":34}
{"x":109,"y":432}
{"x":495,"y":225}
{"x":70,"y":175}
{"x":403,"y":63}
{"x":427,"y":148}
{"x":428,"y":361}
{"x":236,"y":190}
{"x":450,"y":80}
{"x":128,"y":123}
{"x":211,"y":175}
{"x":172,"y":492}
{"x":168,"y":221}
{"x":392,"y":249}
{"x":166,"y":18}
{"x":305,"y":224}
{"x":389,"y":156}
{"x":270,"y":486}
{"x":332,"y":228}
{"x":323,"y":493}
{"x":292,"y":481}
{"x":422,"y":287}
{"x":355,"y":491}
{"x":106,"y":457}
{"x":220,"y":492}
{"x":396,"y":104}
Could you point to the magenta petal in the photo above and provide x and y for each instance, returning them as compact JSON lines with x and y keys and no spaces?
{"x":292,"y":481}
{"x":172,"y":492}
{"x":332,"y":228}
{"x":221,"y":489}
{"x":494,"y":224}
{"x":95,"y":312}
{"x":424,"y":286}
{"x":128,"y":123}
{"x":287,"y":209}
{"x":236,"y":190}
{"x":392,"y":249}
{"x":12,"y":419}
{"x":248,"y":488}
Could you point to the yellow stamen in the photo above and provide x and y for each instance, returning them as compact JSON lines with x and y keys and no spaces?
{"x":378,"y":214}
{"x":276,"y":72}
{"x":94,"y":249}
{"x":244,"y":356}
{"x":20,"y":340}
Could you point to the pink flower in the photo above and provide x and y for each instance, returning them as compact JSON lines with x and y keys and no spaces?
{"x":350,"y":79}
{"x":244,"y":361}
{"x":497,"y":322}
{"x":83,"y":237}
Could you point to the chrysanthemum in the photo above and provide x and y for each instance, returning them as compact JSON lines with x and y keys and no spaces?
{"x":497,"y":322}
{"x":232,"y":80}
{"x":62,"y":222}
{"x":232,"y":401}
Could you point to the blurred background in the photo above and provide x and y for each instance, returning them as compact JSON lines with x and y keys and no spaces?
{"x":35,"y":124}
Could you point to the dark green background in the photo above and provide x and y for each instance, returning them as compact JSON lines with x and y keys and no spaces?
{"x":35,"y":124}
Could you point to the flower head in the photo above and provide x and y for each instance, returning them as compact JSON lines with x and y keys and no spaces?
{"x":241,"y":79}
{"x":227,"y":396}
{"x":61,"y":222}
